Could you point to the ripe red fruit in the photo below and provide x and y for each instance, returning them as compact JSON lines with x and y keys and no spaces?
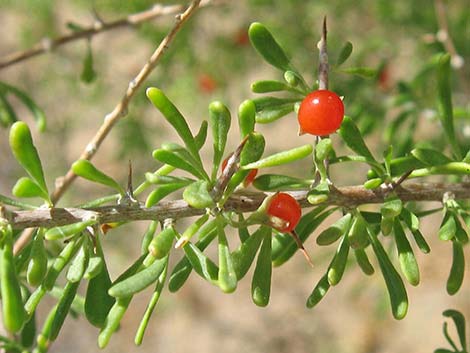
{"x":206,"y":83}
{"x":286,"y":208}
{"x":249,"y":178}
{"x":320,"y":113}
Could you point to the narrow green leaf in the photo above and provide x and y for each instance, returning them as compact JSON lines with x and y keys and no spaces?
{"x":112,"y":321}
{"x":7,"y":113}
{"x":265,"y":44}
{"x":88,"y":74}
{"x":197,"y":195}
{"x":268,"y":115}
{"x":357,"y":234}
{"x":269,"y":86}
{"x":161,"y":244}
{"x":175,"y":118}
{"x":448,"y":226}
{"x":353,"y":138}
{"x":13,"y":312}
{"x":37,"y":264}
{"x":338,"y":264}
{"x":344,"y":54}
{"x":98,"y":302}
{"x":270,"y":103}
{"x":183,"y":268}
{"x":203,"y":266}
{"x":25,"y":187}
{"x":261,"y":282}
{"x":318,"y":292}
{"x":408,"y":264}
{"x":160,"y":192}
{"x":363,"y":262}
{"x":392,"y":207}
{"x":281,"y":158}
{"x":148,"y":237}
{"x":459,"y":321}
{"x":276,"y":182}
{"x":68,"y":230}
{"x":173,"y":159}
{"x":246,"y":117}
{"x":335,"y":231}
{"x":219,"y":120}
{"x":79,"y":264}
{"x":201,"y":136}
{"x":37,"y":112}
{"x":22,"y":146}
{"x":430,"y":156}
{"x":227,"y":278}
{"x":395,"y":286}
{"x":445,"y":103}
{"x":457,"y":271}
{"x":87,"y":170}
{"x":365,"y":72}
{"x":63,"y":307}
{"x":150,"y":307}
{"x":138,"y":281}
{"x":244,"y":255}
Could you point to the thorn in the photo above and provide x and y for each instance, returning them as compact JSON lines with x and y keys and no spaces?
{"x":301,"y":247}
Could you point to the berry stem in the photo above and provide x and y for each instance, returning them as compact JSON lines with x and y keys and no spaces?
{"x":301,"y":247}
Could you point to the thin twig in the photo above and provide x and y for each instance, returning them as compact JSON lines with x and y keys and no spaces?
{"x":119,"y":111}
{"x":443,"y":35}
{"x":243,"y":201}
{"x":46,"y":44}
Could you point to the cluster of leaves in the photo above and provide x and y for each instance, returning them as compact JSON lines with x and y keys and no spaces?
{"x":357,"y":231}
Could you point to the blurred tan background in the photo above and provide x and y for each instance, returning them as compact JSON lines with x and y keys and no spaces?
{"x":354,"y":317}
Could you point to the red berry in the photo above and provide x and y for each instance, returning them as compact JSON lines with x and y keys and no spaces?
{"x":206,"y":83}
{"x":286,"y":208}
{"x":248,"y":179}
{"x":321,"y":113}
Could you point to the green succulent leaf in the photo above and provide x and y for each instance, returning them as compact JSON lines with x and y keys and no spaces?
{"x":408,"y":264}
{"x":227,"y":278}
{"x":246,"y":117}
{"x":175,"y":118}
{"x":344,"y":54}
{"x":261,"y":282}
{"x":281,"y":158}
{"x":85,"y":169}
{"x":445,"y":103}
{"x":459,"y":321}
{"x":335,"y":231}
{"x":430,"y":156}
{"x":457,"y":271}
{"x":25,"y":187}
{"x":88,"y":74}
{"x":29,"y":103}
{"x":265,"y":44}
{"x":276,"y":182}
{"x":197,"y":195}
{"x":318,"y":292}
{"x":219,"y":120}
{"x":353,"y":138}
{"x":22,"y":146}
{"x":395,"y":286}
{"x":244,"y":255}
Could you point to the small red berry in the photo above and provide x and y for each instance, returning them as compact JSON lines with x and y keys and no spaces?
{"x":321,"y":113}
{"x":248,"y":179}
{"x":206,"y":83}
{"x":286,"y":208}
